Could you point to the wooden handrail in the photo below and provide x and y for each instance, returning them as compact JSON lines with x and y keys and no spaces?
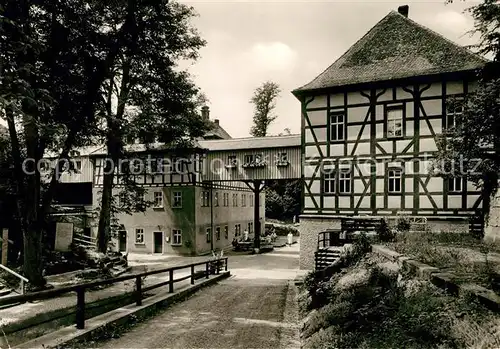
{"x":210,"y":265}
{"x":22,"y":278}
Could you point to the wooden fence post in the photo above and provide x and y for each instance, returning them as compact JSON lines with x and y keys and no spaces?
{"x":207,"y":269}
{"x":171,"y":285}
{"x":192,"y":275}
{"x":138,"y":287}
{"x":80,"y":308}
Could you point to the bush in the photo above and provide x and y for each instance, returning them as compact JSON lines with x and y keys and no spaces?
{"x":384,"y":233}
{"x":281,"y":229}
{"x":403,"y":225}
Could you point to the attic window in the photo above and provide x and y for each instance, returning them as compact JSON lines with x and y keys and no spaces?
{"x":231,"y":161}
{"x":282,"y":160}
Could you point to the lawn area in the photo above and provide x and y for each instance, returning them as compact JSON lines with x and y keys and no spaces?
{"x":469,"y":258}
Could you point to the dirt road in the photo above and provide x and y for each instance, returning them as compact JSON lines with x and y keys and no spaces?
{"x":255,"y":308}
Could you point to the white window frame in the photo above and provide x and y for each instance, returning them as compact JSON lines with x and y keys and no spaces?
{"x":217,"y":233}
{"x":209,"y":235}
{"x":452,"y":114}
{"x":337,"y":126}
{"x":176,"y":237}
{"x":216,"y":199}
{"x":243,"y":200}
{"x":177,"y":194}
{"x":455,"y":185}
{"x":158,"y":199}
{"x":235,"y":200}
{"x":395,"y":122}
{"x":226,"y":232}
{"x":329,"y":182}
{"x":139,"y":236}
{"x":251,"y":200}
{"x":345,"y":181}
{"x":393,"y":176}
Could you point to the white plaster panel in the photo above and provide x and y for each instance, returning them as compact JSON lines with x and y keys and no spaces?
{"x":359,"y":187}
{"x":437,"y":125}
{"x":432,"y":107}
{"x":425,"y":202}
{"x":387,"y":146}
{"x":344,"y":202}
{"x":379,"y":184}
{"x":394,"y":201}
{"x":454,"y":201}
{"x":312,"y":151}
{"x":386,"y":96}
{"x":379,"y":112}
{"x":308,"y":203}
{"x":435,"y":184}
{"x":408,"y":201}
{"x":353,"y":132}
{"x":320,"y":134}
{"x":337,"y":150}
{"x":318,"y":102}
{"x":454,"y":87}
{"x":428,"y":144}
{"x":365,"y":202}
{"x":317,"y":117}
{"x":316,"y":187}
{"x":402,"y":94}
{"x":409,"y":185}
{"x":363,"y":149}
{"x":309,"y":135}
{"x":438,"y":199}
{"x":434,"y":90}
{"x":402,"y":144}
{"x":471,"y":200}
{"x":309,"y":171}
{"x":329,"y":202}
{"x":357,"y":114}
{"x":356,"y":98}
{"x":337,"y":100}
{"x":409,"y":109}
{"x":380,"y":131}
{"x":380,"y":202}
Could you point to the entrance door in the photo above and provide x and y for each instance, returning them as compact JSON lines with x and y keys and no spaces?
{"x":158,"y":242}
{"x":122,"y":240}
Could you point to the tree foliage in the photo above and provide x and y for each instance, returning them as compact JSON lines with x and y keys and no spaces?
{"x":155,"y":101}
{"x":472,"y":147}
{"x":264,"y":101}
{"x":283,"y":199}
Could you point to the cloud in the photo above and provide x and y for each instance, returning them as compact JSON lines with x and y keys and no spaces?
{"x":275,"y":56}
{"x":452,"y":21}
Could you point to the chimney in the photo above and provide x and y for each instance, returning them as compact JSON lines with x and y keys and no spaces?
{"x":404,"y":10}
{"x":216,"y":121}
{"x":205,"y":112}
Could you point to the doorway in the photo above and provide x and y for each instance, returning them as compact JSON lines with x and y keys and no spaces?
{"x":122,"y":240}
{"x":158,"y":242}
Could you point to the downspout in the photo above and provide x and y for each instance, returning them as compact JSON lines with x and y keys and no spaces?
{"x":211,"y":218}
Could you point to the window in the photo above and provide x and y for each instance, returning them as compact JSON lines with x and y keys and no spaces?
{"x":237,"y":230}
{"x":226,"y":232}
{"x":337,"y":124}
{"x":251,"y":200}
{"x":205,"y":198}
{"x":77,"y":164}
{"x":177,"y":199}
{"x":243,"y":200}
{"x":217,"y":233}
{"x":329,"y":182}
{"x":176,"y":166}
{"x":122,"y":198}
{"x":395,"y":122}
{"x":249,"y":159}
{"x":250,"y":227}
{"x":345,"y":181}
{"x":394,"y":181}
{"x":455,"y":184}
{"x":231,"y":161}
{"x":453,"y":111}
{"x":235,"y":200}
{"x":139,"y":236}
{"x":216,"y":199}
{"x":282,"y":159}
{"x":158,"y":199}
{"x":176,"y":237}
{"x":209,"y":234}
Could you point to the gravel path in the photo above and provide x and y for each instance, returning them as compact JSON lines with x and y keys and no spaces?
{"x":255,"y":308}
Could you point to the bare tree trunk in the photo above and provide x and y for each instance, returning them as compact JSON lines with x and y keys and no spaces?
{"x":104,"y":227}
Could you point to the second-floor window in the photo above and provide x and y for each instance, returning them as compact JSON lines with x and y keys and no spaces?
{"x":226,"y":199}
{"x":205,"y":198}
{"x":216,"y":199}
{"x":217,"y":233}
{"x":329,"y":182}
{"x":345,"y":182}
{"x":394,"y":122}
{"x":243,"y":200}
{"x":394,"y":181}
{"x":158,"y":199}
{"x":231,"y":161}
{"x":235,"y":200}
{"x":455,"y":184}
{"x":337,"y":126}
{"x":209,"y":234}
{"x":454,"y":109}
{"x":177,"y":199}
{"x":226,"y":232}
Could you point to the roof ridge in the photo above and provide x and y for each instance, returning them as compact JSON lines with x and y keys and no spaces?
{"x":244,"y":138}
{"x":350,"y":48}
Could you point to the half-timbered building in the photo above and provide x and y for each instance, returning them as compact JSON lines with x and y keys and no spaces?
{"x":370,"y":124}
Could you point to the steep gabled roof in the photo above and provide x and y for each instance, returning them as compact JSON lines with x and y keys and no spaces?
{"x":395,"y":48}
{"x":217,"y":133}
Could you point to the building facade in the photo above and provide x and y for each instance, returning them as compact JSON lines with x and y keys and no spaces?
{"x":371,"y":124}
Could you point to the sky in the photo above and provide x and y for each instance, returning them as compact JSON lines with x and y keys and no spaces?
{"x":291,"y":42}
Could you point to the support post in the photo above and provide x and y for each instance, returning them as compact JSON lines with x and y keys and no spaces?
{"x":138,"y":288}
{"x":80,"y":308}
{"x":207,"y":269}
{"x":171,"y":285}
{"x":226,"y":263}
{"x":256,"y":213}
{"x":5,"y":246}
{"x":192,"y":275}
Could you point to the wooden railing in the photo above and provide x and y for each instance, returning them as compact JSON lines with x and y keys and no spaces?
{"x":23,"y":280}
{"x":84,"y":240}
{"x":211,"y":267}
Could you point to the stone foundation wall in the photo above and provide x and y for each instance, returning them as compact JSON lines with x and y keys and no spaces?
{"x":492,"y":226}
{"x":309,"y":228}
{"x":448,"y":225}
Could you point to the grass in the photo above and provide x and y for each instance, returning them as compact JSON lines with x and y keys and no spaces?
{"x":370,"y":307}
{"x":459,"y":253}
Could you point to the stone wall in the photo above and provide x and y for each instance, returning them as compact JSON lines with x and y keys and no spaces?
{"x":492,"y":226}
{"x":309,"y":229}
